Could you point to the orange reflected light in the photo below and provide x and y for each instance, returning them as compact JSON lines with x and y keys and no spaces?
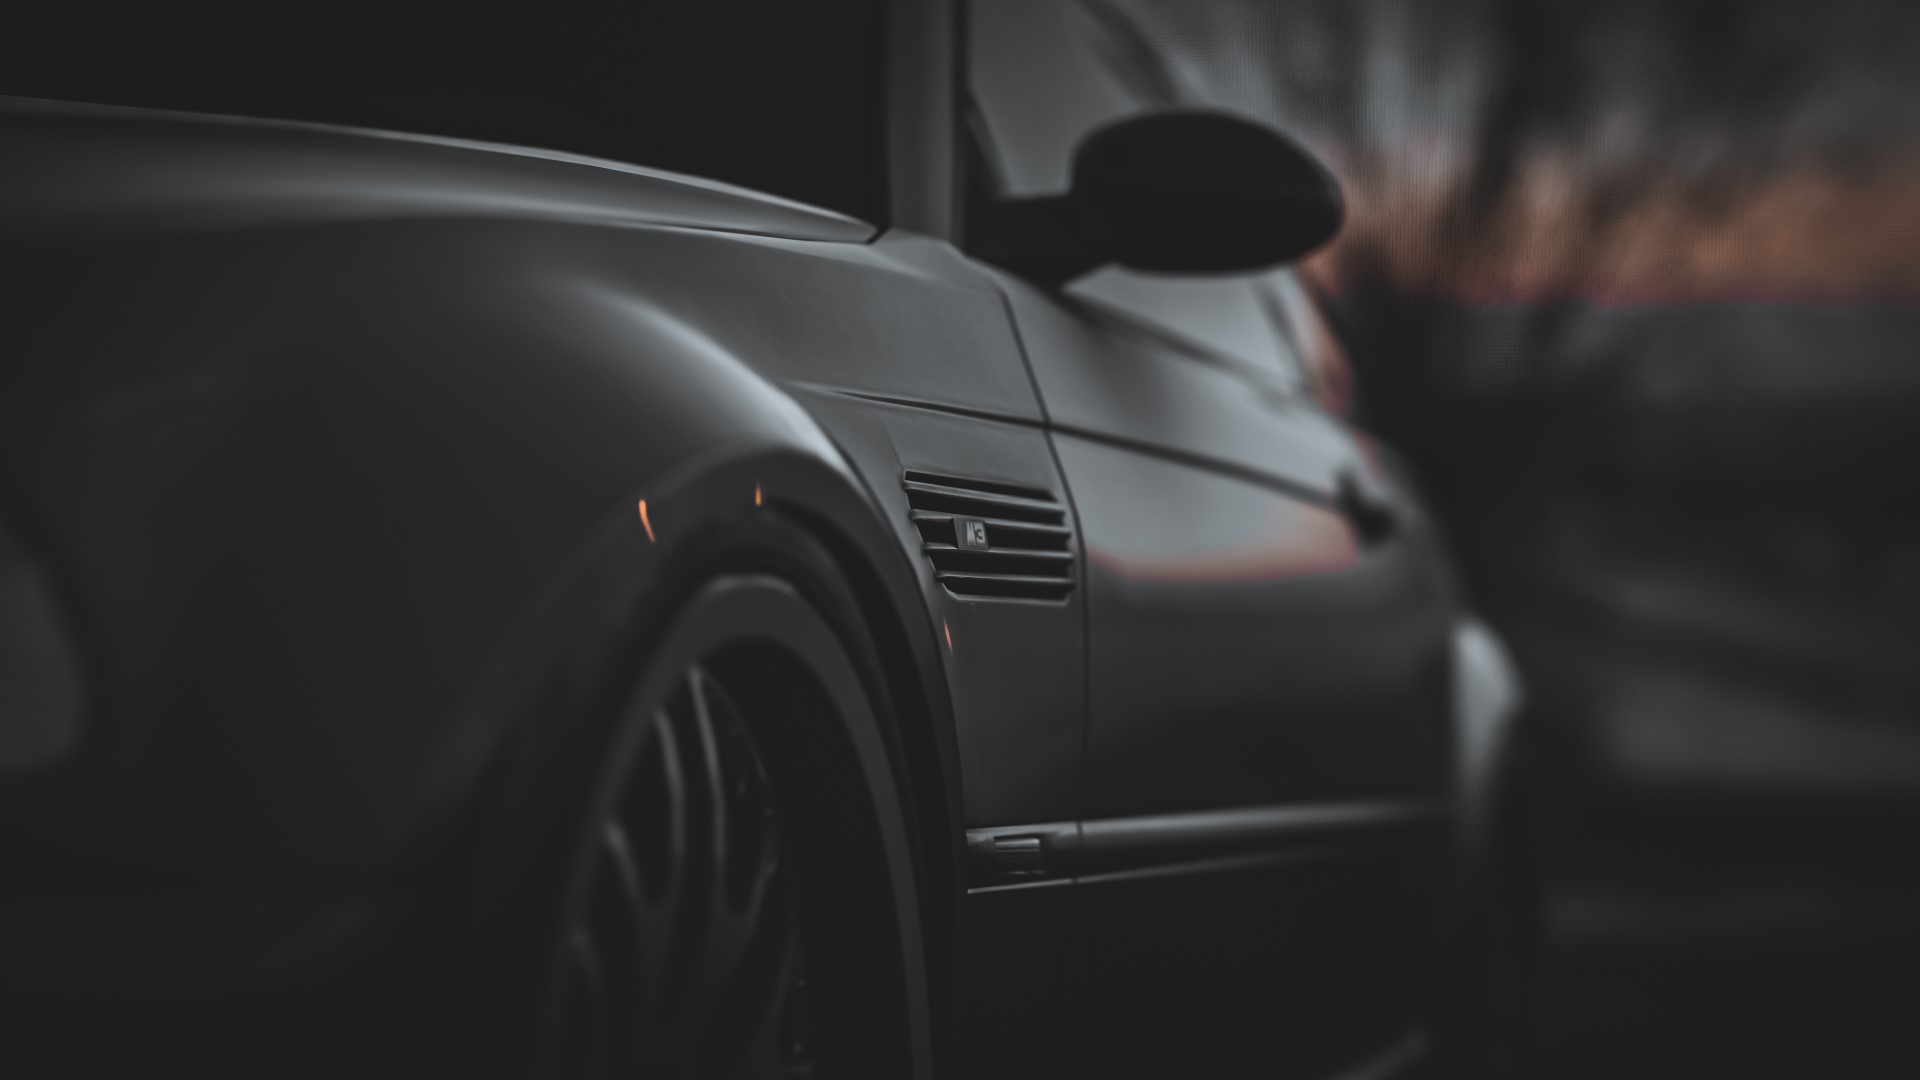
{"x":949,"y":632}
{"x":756,"y":494}
{"x":648,"y":525}
{"x":1299,"y":541}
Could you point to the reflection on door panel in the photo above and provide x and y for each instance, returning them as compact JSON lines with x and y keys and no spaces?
{"x":1247,"y":651}
{"x":1263,"y":746}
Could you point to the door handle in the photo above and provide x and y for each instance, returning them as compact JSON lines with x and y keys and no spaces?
{"x":1372,"y":511}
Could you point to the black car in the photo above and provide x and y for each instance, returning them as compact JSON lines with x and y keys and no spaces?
{"x":478,"y":604}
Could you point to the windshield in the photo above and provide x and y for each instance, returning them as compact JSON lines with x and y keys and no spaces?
{"x":779,"y":96}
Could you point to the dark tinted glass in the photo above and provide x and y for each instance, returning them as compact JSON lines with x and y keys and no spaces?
{"x":779,"y":95}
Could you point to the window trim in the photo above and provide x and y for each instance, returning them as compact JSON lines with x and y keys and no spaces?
{"x":922,"y":85}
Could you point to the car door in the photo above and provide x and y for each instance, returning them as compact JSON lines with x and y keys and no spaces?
{"x":1267,"y":737}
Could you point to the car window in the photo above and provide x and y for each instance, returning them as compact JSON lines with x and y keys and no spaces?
{"x":1041,"y":74}
{"x":1326,"y":373}
{"x":1234,"y":318}
{"x":775,"y":95}
{"x":1044,"y":73}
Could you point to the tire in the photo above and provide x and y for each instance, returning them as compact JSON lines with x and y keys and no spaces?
{"x":710,"y":873}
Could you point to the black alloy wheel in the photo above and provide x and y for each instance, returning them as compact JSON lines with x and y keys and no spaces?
{"x":683,"y":954}
{"x":702,"y":868}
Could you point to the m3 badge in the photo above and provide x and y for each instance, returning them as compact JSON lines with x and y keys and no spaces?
{"x":972,"y":533}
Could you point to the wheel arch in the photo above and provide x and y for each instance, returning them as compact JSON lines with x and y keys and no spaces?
{"x":633,"y":573}
{"x":629,"y":585}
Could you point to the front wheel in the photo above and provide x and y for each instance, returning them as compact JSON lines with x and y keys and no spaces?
{"x":716,"y":881}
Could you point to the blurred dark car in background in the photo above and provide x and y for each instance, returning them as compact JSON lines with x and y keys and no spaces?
{"x":475,"y":608}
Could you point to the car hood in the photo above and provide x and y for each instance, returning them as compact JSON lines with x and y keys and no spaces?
{"x":78,"y":167}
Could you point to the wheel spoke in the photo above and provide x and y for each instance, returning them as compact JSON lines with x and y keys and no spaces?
{"x":748,"y":833}
{"x":656,"y":810}
{"x":721,"y":939}
{"x":743,"y":951}
{"x":685,"y":956}
{"x":620,"y":918}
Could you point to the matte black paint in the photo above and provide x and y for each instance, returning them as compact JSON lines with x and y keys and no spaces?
{"x":273,"y":383}
{"x":1248,"y":648}
{"x":342,"y":438}
{"x":96,"y":169}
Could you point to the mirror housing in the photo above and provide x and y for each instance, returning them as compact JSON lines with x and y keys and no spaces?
{"x":1173,"y":191}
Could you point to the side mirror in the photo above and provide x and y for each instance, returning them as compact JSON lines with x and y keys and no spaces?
{"x":1177,"y":191}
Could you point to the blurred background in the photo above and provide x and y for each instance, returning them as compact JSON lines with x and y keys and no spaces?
{"x":1633,"y":287}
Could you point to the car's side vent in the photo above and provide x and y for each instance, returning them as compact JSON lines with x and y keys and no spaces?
{"x":992,"y":540}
